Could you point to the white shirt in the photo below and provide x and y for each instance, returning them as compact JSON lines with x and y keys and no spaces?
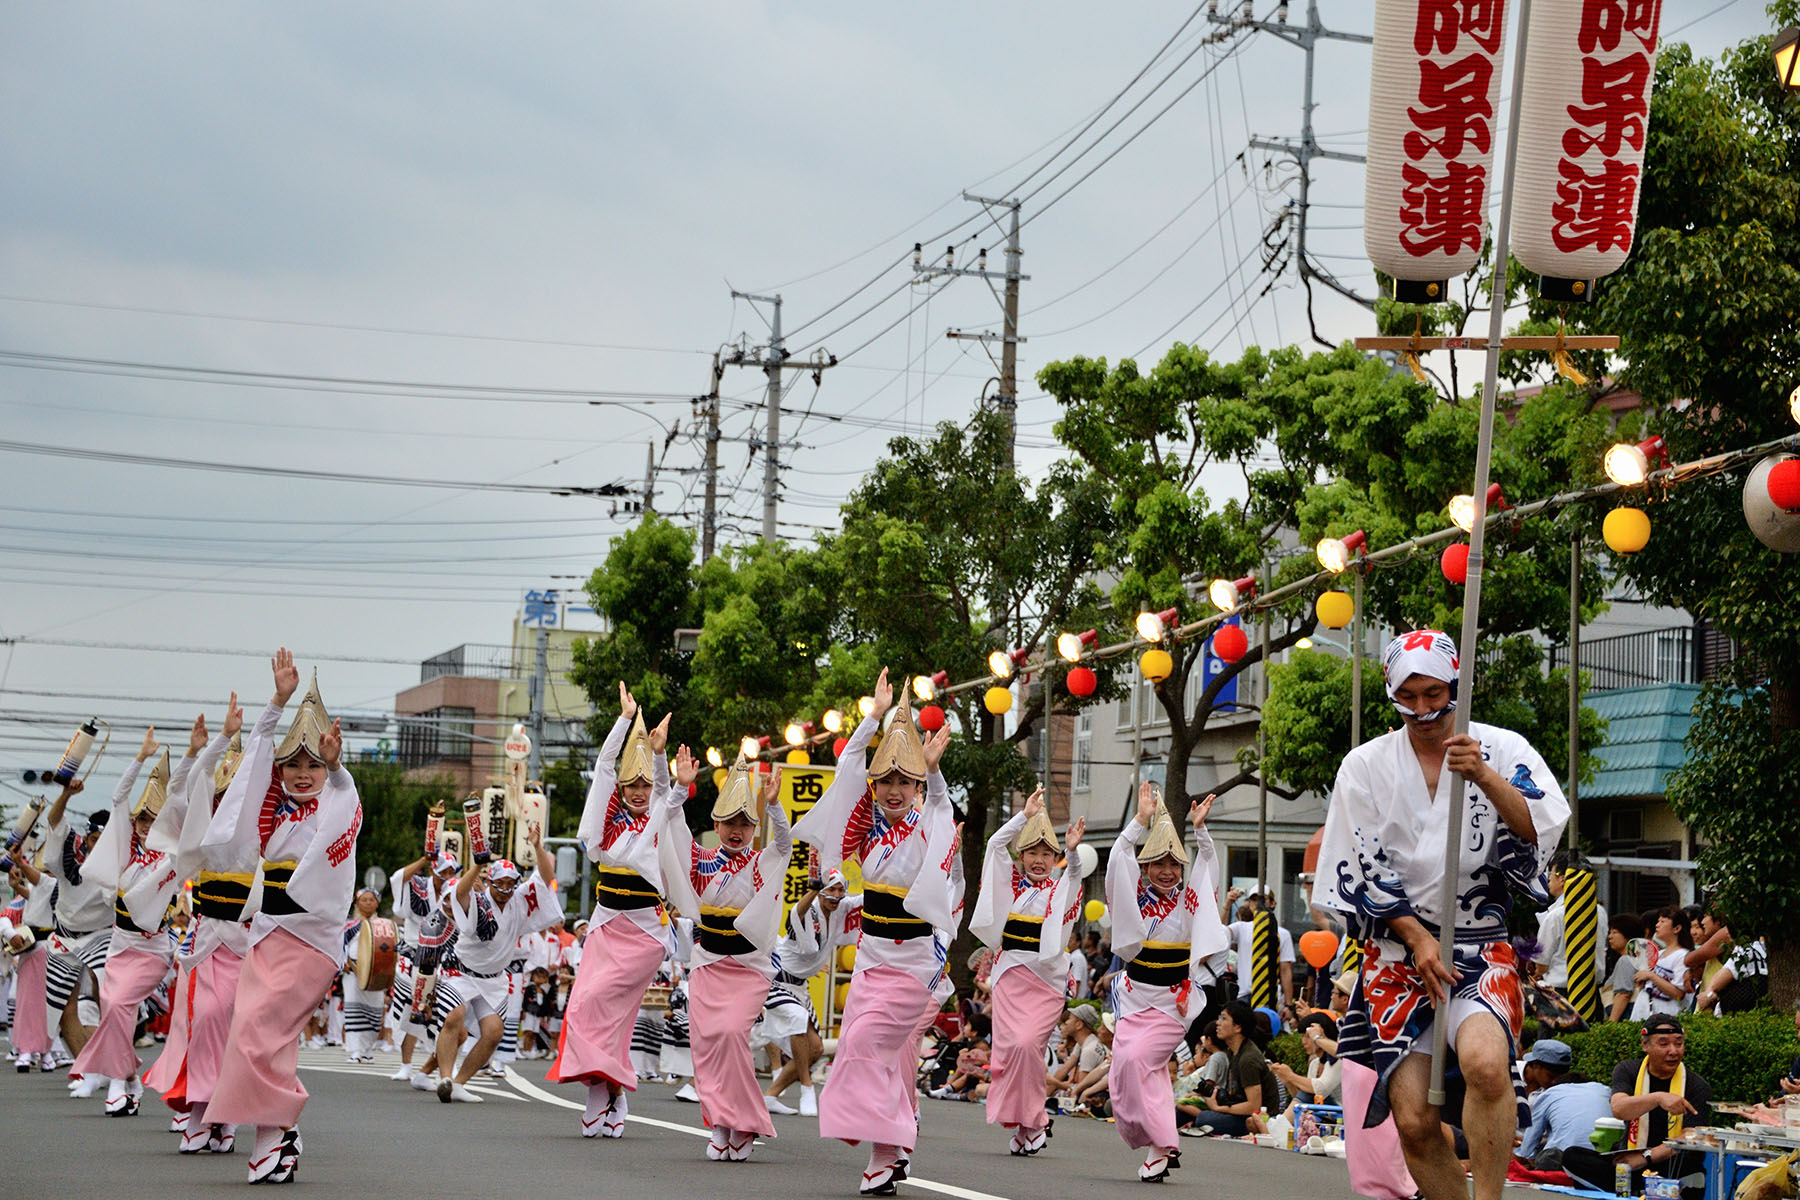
{"x":1243,"y":935}
{"x":487,"y":936}
{"x":1554,"y":951}
{"x":806,"y":947}
{"x":1383,"y":851}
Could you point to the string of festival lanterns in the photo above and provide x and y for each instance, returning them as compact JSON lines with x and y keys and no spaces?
{"x":1771,"y":506}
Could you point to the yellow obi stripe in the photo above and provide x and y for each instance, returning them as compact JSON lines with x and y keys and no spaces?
{"x":122,"y":916}
{"x":1022,"y":932}
{"x":884,"y":914}
{"x":221,"y":895}
{"x":718,"y":931}
{"x":275,"y":899}
{"x":618,"y":888}
{"x":1160,"y":964}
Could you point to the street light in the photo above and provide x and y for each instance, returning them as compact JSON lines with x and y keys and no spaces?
{"x":866,"y":706}
{"x":1227,"y":594}
{"x":1794,"y":404}
{"x":1001,"y":663}
{"x":1628,"y":465}
{"x":834,"y":720}
{"x":1335,"y":553}
{"x":1462,"y":508}
{"x":714,"y":757}
{"x":1073,"y":645}
{"x":796,"y":732}
{"x":925,"y":686}
{"x":1787,"y":58}
{"x":748,"y":747}
{"x":1152,"y":625}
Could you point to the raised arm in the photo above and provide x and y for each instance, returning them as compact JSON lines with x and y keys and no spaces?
{"x":592,"y":828}
{"x":824,"y":825}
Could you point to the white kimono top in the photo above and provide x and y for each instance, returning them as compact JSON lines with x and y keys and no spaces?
{"x":615,"y":837}
{"x":143,"y":873}
{"x":1009,"y":897}
{"x":1145,"y":919}
{"x":806,"y":947}
{"x":191,"y":860}
{"x":1383,"y":851}
{"x":313,"y":839}
{"x":84,"y":900}
{"x":487,"y":936}
{"x":914,"y":858}
{"x":724,"y":890}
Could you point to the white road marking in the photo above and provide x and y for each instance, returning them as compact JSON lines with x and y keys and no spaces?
{"x":538,"y":1093}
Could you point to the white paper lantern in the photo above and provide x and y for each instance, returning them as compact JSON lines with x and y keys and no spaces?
{"x":1589,"y":67}
{"x":1773,"y":526}
{"x":1433,"y":122}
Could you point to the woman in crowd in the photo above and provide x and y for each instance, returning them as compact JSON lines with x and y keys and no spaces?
{"x":1665,"y":979}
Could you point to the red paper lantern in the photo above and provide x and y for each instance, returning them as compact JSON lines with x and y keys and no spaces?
{"x":1455,"y":562}
{"x":693,"y":790}
{"x":1784,"y":484}
{"x":837,"y":747}
{"x":931,"y":718}
{"x":1082,"y":681}
{"x":1229,"y":643}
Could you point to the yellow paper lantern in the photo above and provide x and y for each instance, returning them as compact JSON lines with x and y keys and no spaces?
{"x":1094,"y":910}
{"x":1626,"y":530}
{"x":719,"y":776}
{"x":798,"y":757}
{"x":1156,"y":665}
{"x":843,"y":995}
{"x":997,"y":700}
{"x":1335,"y":609}
{"x":846,"y":958}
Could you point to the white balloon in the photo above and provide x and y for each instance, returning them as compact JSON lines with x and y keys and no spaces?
{"x":1090,"y":858}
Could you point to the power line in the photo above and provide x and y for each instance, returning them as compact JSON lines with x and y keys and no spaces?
{"x":149,"y":460}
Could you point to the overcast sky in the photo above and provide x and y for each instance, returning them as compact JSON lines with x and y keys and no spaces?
{"x":553,"y":198}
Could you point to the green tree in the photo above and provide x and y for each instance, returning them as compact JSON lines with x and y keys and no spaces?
{"x":1706,"y":309}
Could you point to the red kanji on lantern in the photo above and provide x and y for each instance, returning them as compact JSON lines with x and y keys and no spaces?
{"x":1453,"y":100}
{"x":1442,"y":214}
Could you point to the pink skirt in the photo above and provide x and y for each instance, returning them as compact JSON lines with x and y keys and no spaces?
{"x":618,"y":961}
{"x":724,"y":1000}
{"x":282,"y":983}
{"x":1143,"y":1097}
{"x":31,"y":1020}
{"x":215,"y":992}
{"x":1026,"y":1010}
{"x":871,"y":1093}
{"x":168,"y":1073}
{"x":130,"y":977}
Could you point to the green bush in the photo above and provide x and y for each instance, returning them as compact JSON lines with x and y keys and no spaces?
{"x":1738,"y":1055}
{"x":1287,"y":1048}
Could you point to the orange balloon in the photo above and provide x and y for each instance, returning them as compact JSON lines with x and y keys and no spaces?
{"x":1318,"y":947}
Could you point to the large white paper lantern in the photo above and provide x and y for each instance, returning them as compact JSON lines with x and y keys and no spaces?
{"x":1433,"y":122}
{"x":1589,"y":67}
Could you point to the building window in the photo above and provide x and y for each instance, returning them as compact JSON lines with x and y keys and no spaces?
{"x":456,"y":734}
{"x":441,"y":735}
{"x":1084,"y":750}
{"x":1126,"y":719}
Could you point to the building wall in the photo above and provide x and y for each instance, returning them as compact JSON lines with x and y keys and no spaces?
{"x":467,"y":770}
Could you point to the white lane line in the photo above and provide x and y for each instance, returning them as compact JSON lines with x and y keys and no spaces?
{"x":538,"y":1093}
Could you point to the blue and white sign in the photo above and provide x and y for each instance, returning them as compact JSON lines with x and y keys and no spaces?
{"x":1211,"y":668}
{"x":542,"y":610}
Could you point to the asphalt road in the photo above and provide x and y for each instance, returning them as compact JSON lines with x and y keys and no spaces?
{"x":364,"y":1133}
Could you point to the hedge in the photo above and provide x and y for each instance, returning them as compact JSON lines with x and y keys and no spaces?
{"x":1740,"y":1055}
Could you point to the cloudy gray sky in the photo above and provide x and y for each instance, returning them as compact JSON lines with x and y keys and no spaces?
{"x":538,"y":206}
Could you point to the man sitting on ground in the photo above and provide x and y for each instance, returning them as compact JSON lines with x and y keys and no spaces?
{"x":1657,"y":1097}
{"x":1564,"y":1108}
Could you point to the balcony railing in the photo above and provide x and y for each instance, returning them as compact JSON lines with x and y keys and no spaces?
{"x":473,"y":660}
{"x":1679,"y":654}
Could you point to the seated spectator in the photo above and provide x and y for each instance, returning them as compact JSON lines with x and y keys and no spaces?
{"x":1625,"y":939}
{"x":1657,"y":1097}
{"x":1665,"y":978}
{"x":1249,"y":1085}
{"x":1789,"y":1084}
{"x":1084,"y":1053}
{"x":1565,"y":1107}
{"x":1323,"y":1081}
{"x":1741,"y":980}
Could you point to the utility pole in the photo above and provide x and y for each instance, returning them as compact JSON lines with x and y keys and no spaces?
{"x":773,"y":358}
{"x":650,"y":479}
{"x":1008,"y":396}
{"x":710,"y":519}
{"x":540,"y":683}
{"x":1306,"y":148}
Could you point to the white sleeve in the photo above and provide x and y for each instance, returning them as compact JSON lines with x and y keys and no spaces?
{"x":823,"y":826}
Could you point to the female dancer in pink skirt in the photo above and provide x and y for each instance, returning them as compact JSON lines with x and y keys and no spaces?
{"x":1164,"y":927}
{"x":733,"y":896}
{"x":134,"y":861}
{"x":627,"y":808}
{"x":894,"y":817}
{"x":1024,"y":912}
{"x":295,"y":807}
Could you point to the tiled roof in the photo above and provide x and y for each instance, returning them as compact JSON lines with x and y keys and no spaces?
{"x":1645,"y":728}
